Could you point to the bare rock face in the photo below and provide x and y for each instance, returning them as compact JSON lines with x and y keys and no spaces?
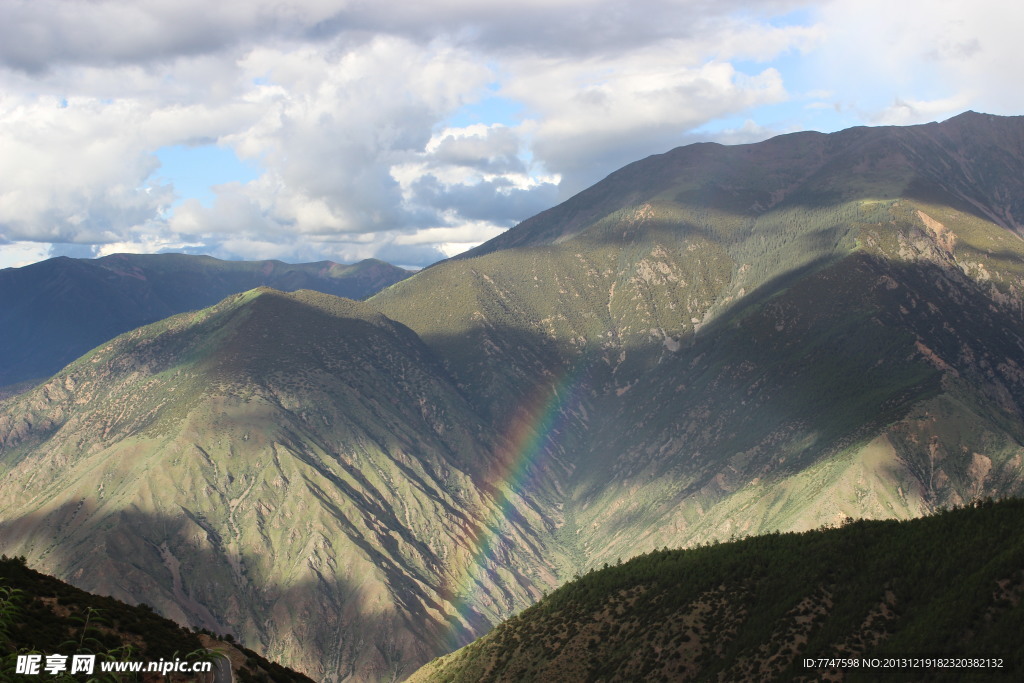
{"x":715,"y":342}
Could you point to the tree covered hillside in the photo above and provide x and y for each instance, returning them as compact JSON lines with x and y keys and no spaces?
{"x":42,"y":615}
{"x":948,"y":585}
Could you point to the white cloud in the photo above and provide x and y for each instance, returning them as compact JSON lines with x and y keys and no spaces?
{"x":334,"y":125}
{"x":343,"y":106}
{"x":596,"y":116}
{"x":749,"y":132}
{"x":909,"y":112}
{"x":465,"y":234}
{"x":145,"y":242}
{"x":488,"y":149}
{"x":70,"y":173}
{"x":916,"y":62}
{"x":18,"y":254}
{"x":476,"y":173}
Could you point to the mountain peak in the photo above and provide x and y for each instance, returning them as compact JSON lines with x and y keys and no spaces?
{"x":797,"y":169}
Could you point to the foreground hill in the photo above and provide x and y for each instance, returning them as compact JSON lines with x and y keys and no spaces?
{"x":54,"y":311}
{"x":41,"y":615}
{"x":712,"y":343}
{"x":947,"y":586}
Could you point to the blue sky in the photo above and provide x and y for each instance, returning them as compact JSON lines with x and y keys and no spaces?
{"x":195,"y":170}
{"x":342,"y":129}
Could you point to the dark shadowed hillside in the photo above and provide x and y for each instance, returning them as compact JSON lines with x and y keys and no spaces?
{"x":41,"y":615}
{"x":54,"y":311}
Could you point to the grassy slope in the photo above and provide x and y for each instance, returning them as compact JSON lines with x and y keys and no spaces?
{"x":948,"y":585}
{"x":761,"y":337}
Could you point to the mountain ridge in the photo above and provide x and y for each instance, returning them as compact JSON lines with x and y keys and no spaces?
{"x":692,"y":363}
{"x":49,"y":313}
{"x":687,"y":157}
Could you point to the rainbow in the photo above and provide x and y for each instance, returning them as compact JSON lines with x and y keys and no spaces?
{"x":529,"y":437}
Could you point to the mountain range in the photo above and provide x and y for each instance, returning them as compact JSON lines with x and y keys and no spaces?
{"x":714,"y":342}
{"x":53,"y":311}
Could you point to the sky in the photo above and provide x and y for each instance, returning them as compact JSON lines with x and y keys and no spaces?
{"x":305,"y":130}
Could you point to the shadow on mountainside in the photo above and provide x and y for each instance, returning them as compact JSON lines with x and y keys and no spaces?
{"x":811,"y":362}
{"x":329,"y":626}
{"x":779,"y":380}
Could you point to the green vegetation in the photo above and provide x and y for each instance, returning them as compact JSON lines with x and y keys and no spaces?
{"x":949,"y":585}
{"x":41,"y":615}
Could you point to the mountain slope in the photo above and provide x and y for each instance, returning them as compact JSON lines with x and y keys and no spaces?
{"x":947,"y":586}
{"x":54,"y":311}
{"x":713,"y":343}
{"x":769,"y":336}
{"x":290,"y":468}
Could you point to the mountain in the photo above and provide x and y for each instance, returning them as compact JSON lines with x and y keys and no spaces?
{"x":291,"y":468}
{"x":969,"y":162}
{"x":714,"y":342}
{"x":42,"y":615}
{"x":54,"y":311}
{"x":760,"y":337}
{"x":948,"y":586}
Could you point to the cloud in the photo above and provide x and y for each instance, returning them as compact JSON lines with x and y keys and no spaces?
{"x":334,"y":124}
{"x":497,"y":201}
{"x":18,"y":254}
{"x":69,"y":173}
{"x":346,"y":107}
{"x":487,"y":149}
{"x":38,"y":35}
{"x":750,"y":131}
{"x":325,"y":125}
{"x":595,"y":117}
{"x":908,"y":112}
{"x":475,"y":173}
{"x":906,"y":63}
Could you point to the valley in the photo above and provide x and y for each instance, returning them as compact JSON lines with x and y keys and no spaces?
{"x":711,"y":344}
